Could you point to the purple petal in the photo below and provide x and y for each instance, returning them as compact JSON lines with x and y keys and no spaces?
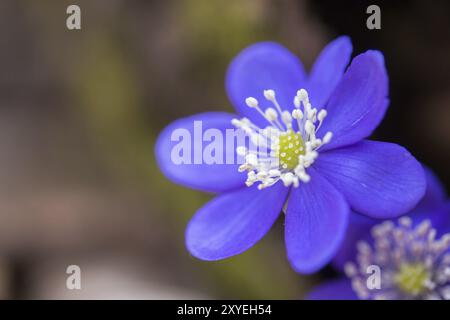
{"x":264,"y":65}
{"x":430,"y":207}
{"x":340,"y":289}
{"x":328,"y":70}
{"x":438,"y":215}
{"x":211,"y":177}
{"x":379,"y":179}
{"x":440,"y":218}
{"x":233,"y":222}
{"x":316,"y":220}
{"x":359,"y":102}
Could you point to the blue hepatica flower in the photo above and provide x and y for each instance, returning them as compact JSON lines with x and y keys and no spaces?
{"x":413,"y":254}
{"x":315,"y":170}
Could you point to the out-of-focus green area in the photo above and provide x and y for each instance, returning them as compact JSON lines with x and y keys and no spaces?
{"x":79,"y":115}
{"x":125,"y":109}
{"x":100,"y":96}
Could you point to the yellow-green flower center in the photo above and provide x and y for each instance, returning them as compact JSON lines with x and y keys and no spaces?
{"x":411,"y":278}
{"x":290,"y":147}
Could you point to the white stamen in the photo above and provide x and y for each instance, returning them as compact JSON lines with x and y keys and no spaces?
{"x":327,"y":137}
{"x":269,"y":95}
{"x":287,"y":118}
{"x":297,"y":102}
{"x":322,"y":114}
{"x":287,"y":178}
{"x":264,"y":166}
{"x":309,"y":127}
{"x":312,"y":114}
{"x":297,"y":114}
{"x":271,"y":114}
{"x":251,"y":102}
{"x":302,"y":94}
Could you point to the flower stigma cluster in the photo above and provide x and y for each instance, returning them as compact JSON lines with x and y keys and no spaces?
{"x":285,"y":148}
{"x":414,"y":264}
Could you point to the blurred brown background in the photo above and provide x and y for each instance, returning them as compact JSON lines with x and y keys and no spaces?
{"x":80,"y":111}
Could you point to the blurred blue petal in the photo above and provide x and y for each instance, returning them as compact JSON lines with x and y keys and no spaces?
{"x":434,"y":196}
{"x":358,"y":230}
{"x":443,"y":224}
{"x":432,"y":206}
{"x":340,"y":289}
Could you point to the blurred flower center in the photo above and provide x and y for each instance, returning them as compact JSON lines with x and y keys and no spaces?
{"x":285,"y":148}
{"x":411,"y":278}
{"x":413,"y":263}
